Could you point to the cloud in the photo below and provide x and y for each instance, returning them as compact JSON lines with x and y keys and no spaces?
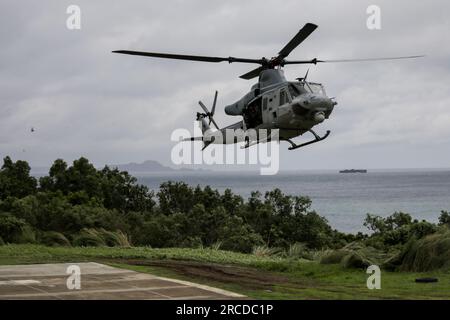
{"x":84,"y":100}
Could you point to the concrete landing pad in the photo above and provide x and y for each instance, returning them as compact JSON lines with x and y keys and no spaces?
{"x":98,"y":282}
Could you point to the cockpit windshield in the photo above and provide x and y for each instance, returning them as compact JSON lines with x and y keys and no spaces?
{"x":315,"y":88}
{"x":296,"y":89}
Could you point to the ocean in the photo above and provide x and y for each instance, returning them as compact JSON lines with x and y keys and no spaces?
{"x":343,"y":199}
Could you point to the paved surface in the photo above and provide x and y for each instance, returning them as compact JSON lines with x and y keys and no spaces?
{"x":98,"y":281}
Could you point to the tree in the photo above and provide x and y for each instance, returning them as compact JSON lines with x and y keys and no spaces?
{"x":375,"y":223}
{"x":397,"y":220}
{"x":235,"y":235}
{"x":81,"y":176}
{"x":56,"y":179}
{"x":15,"y":179}
{"x":120,"y":191}
{"x":444,"y":218}
{"x":83,"y":183}
{"x":175,"y":197}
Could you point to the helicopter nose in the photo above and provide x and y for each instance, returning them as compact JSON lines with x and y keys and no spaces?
{"x":320,"y":102}
{"x":314,"y":107}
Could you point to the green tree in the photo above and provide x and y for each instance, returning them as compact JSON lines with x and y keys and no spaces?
{"x":122,"y":192}
{"x":444,"y":218}
{"x":175,"y":197}
{"x":83,"y":183}
{"x":15,"y":179}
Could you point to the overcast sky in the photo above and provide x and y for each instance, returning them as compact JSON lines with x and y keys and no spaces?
{"x":83,"y":100}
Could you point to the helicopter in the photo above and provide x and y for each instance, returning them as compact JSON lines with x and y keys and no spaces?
{"x":291,"y":107}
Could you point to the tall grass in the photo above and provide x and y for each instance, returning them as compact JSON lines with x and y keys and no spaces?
{"x":299,"y":251}
{"x":217,"y":245}
{"x":89,"y":238}
{"x":115,"y":239}
{"x":53,"y":238}
{"x":429,"y":253}
{"x":354,"y":255}
{"x":265,"y":251}
{"x":101,"y":238}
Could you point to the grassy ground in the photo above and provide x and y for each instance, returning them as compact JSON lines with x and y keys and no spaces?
{"x":256,"y":277}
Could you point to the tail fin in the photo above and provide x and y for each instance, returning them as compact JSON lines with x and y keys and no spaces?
{"x":203,"y":123}
{"x":205,"y":127}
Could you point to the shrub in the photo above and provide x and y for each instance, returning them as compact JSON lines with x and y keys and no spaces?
{"x":333,"y":256}
{"x":191,"y":242}
{"x":396,"y":230}
{"x":27,"y":235}
{"x":235,"y":235}
{"x":159,"y":231}
{"x":422,"y":229}
{"x":355,"y":260}
{"x":14,"y":230}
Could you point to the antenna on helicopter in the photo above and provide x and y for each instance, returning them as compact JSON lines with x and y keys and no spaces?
{"x":305,"y":77}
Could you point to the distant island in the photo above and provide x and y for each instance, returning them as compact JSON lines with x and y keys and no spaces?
{"x":353,"y":171}
{"x":147,"y":166}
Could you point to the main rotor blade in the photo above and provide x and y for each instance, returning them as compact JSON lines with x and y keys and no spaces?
{"x":315,"y":61}
{"x":214,"y":104}
{"x":189,"y":57}
{"x":374,"y":59}
{"x":297,"y":39}
{"x":252,"y":74}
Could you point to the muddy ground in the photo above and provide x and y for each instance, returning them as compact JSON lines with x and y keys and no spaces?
{"x":248,"y":278}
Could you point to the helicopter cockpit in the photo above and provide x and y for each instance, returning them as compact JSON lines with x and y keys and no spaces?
{"x":314,"y":87}
{"x":298,"y":88}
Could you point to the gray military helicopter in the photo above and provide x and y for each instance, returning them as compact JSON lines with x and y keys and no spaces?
{"x":292,"y":107}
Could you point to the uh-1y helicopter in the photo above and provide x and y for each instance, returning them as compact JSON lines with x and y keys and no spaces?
{"x":292,"y":107}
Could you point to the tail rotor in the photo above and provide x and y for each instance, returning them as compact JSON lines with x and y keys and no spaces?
{"x":208,"y":114}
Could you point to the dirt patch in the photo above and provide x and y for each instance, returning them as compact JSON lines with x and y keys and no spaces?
{"x":249,"y":278}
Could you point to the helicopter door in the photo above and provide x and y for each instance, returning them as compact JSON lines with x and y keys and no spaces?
{"x":270,"y":106}
{"x":252,"y":114}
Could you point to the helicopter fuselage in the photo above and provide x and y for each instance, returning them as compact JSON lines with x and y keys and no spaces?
{"x":292,"y":107}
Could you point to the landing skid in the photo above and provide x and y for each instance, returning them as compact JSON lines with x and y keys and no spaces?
{"x":316,"y":136}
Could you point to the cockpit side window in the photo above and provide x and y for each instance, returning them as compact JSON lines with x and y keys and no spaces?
{"x":284,"y":97}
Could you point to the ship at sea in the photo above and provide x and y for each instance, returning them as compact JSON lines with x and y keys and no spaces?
{"x":353,"y":171}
